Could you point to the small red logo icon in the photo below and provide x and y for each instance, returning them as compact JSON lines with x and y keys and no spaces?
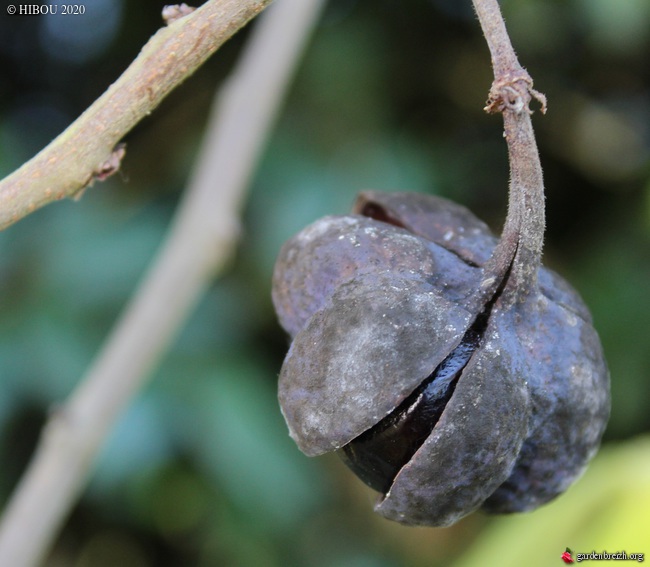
{"x":566,"y":556}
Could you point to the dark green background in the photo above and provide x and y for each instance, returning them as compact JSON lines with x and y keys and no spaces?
{"x":201,"y":471}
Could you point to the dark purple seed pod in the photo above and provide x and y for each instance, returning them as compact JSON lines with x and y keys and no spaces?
{"x":442,"y":398}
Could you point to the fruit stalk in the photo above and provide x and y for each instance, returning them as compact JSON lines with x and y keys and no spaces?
{"x":520,"y":248}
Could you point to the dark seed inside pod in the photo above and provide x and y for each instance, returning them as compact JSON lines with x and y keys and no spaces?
{"x":377,"y":455}
{"x":377,"y":212}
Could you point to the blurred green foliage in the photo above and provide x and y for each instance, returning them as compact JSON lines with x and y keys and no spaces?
{"x":200,"y":470}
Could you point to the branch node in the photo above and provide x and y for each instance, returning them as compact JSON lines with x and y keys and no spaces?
{"x":112,"y":164}
{"x":175,"y":12}
{"x":107,"y":168}
{"x":513,"y":91}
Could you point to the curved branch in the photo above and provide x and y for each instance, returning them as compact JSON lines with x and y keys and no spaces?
{"x":200,"y":242}
{"x":88,"y":149}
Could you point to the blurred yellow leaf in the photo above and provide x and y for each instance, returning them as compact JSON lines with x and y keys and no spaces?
{"x":607,"y":510}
